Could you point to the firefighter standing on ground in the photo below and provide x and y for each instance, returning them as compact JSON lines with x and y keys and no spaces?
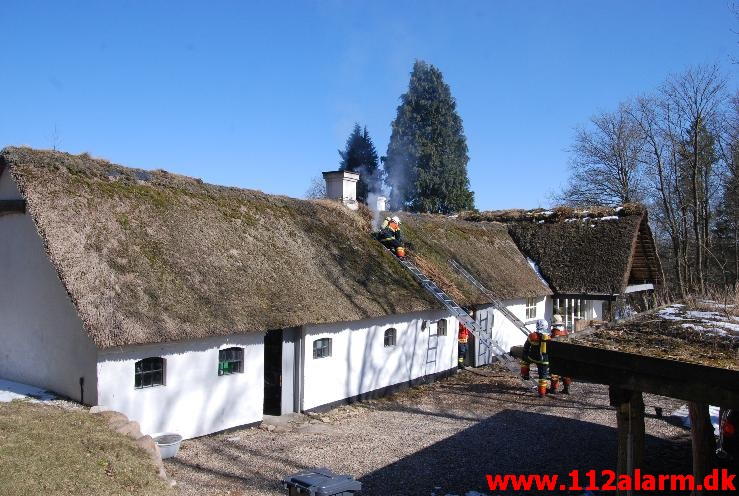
{"x":558,"y":329}
{"x":535,"y":351}
{"x":463,"y":338}
{"x":390,"y":236}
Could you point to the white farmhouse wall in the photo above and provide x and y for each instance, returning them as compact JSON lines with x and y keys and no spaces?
{"x":503,"y":331}
{"x":42,"y":339}
{"x":360,"y":363}
{"x":195,"y":400}
{"x":596,"y":311}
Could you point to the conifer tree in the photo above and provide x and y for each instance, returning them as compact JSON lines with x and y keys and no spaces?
{"x":360,"y":156}
{"x":426,"y":163}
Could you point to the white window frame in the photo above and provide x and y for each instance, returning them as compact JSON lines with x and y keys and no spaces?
{"x":391,"y":332}
{"x":151,"y":372}
{"x":531,"y":308}
{"x":317,"y":347}
{"x":442,"y":327}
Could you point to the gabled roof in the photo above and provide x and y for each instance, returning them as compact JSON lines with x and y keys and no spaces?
{"x":150,"y":256}
{"x":486,"y":250}
{"x":596,"y":250}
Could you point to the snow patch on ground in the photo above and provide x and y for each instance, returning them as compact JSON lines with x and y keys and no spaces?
{"x":705,"y":329}
{"x":609,"y":217}
{"x":670,"y":313}
{"x":10,"y":391}
{"x":715,"y":323}
{"x":682,"y":415}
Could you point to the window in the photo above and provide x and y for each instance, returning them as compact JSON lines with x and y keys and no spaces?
{"x":231,"y":361}
{"x":149,"y":372}
{"x":390,"y":337}
{"x":572,"y":309}
{"x":441,"y":327}
{"x":530,"y":308}
{"x":322,"y":348}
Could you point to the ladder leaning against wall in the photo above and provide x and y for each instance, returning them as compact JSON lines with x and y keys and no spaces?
{"x":497,"y":304}
{"x":502,"y":355}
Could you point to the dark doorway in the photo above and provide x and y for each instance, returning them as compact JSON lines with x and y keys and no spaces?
{"x":273,"y":372}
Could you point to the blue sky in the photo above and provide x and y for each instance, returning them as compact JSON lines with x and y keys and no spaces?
{"x":262,"y":94}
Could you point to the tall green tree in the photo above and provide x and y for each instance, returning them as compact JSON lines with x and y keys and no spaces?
{"x":426,"y":162}
{"x":359,"y":155}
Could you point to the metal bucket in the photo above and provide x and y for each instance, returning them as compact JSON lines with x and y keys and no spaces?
{"x":169,"y":444}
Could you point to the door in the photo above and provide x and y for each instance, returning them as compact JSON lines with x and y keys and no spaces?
{"x":273,"y":372}
{"x":483,"y":353}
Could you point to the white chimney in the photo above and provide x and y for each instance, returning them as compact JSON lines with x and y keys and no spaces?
{"x":381,"y":203}
{"x":342,"y":186}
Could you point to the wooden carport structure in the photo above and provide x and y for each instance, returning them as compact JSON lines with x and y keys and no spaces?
{"x":630,"y":374}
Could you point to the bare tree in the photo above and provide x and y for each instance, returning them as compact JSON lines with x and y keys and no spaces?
{"x":660,"y":162}
{"x":317,"y":188}
{"x":696,"y":96}
{"x":606,"y":161}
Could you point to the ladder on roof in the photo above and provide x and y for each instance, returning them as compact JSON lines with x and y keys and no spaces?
{"x":505,"y":359}
{"x":497,"y":304}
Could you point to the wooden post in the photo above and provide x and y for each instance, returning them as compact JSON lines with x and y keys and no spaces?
{"x":704,"y":442}
{"x":630,"y":420}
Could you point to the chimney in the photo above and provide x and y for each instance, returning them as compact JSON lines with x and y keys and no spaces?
{"x":381,"y":204}
{"x":342,"y":186}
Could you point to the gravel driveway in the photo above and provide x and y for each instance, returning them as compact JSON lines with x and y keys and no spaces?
{"x":434,"y":440}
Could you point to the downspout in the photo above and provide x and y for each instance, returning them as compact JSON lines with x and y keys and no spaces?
{"x":298,"y":395}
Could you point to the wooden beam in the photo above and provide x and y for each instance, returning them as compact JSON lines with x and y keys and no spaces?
{"x":683,"y":380}
{"x":13,"y":206}
{"x":630,"y":421}
{"x":703,"y":441}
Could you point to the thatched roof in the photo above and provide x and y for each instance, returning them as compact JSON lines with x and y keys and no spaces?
{"x":149,"y":256}
{"x":703,"y":332}
{"x":595,"y":250}
{"x":485,"y":249}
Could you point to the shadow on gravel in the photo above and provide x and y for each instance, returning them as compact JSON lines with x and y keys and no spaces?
{"x":515,"y":442}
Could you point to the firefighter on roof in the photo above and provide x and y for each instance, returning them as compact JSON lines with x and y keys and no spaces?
{"x":390,"y":236}
{"x":558,"y":329}
{"x":535,"y":351}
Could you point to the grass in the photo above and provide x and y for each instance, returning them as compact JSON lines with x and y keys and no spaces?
{"x":48,"y":450}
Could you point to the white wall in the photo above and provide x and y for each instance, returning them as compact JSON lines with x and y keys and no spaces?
{"x":42,"y":340}
{"x":597,"y":309}
{"x":503,"y":330}
{"x":360,"y":363}
{"x":195,"y":400}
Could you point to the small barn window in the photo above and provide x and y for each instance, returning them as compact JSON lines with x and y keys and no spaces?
{"x":231,"y":361}
{"x":390,"y":337}
{"x":149,"y":372}
{"x":530,"y":308}
{"x":441,"y":327}
{"x":322,"y":348}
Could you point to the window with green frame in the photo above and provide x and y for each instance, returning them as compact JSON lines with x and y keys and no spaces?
{"x":231,"y":361}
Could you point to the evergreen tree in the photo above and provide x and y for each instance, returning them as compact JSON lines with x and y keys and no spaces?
{"x":360,"y":156}
{"x":426,"y":163}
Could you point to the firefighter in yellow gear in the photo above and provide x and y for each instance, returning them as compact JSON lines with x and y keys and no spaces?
{"x":558,"y":329}
{"x":535,"y":351}
{"x":390,"y":236}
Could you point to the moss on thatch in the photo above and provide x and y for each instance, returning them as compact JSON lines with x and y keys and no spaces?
{"x":150,"y":256}
{"x":578,"y":251}
{"x":556,"y":214}
{"x":485,"y":249}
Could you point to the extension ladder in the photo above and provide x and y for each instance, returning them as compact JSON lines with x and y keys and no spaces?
{"x":493,"y":300}
{"x":506,"y":359}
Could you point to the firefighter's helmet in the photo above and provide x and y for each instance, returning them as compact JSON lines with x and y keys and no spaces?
{"x":396,"y":219}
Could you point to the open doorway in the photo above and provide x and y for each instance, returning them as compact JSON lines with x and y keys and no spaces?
{"x":273,"y":372}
